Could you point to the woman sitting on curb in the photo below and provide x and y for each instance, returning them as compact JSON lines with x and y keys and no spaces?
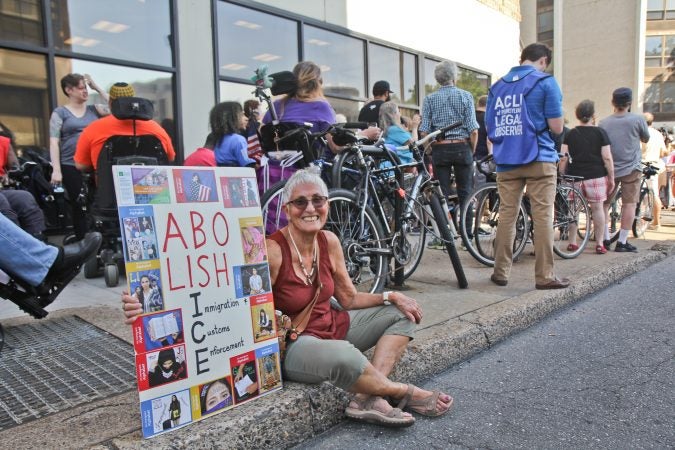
{"x":303,"y":258}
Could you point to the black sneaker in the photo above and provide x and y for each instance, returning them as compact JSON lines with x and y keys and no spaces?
{"x":624,"y":248}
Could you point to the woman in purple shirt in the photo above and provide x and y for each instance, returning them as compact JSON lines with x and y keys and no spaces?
{"x":307,"y":103}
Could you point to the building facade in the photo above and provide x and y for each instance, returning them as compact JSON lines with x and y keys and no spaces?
{"x":605,"y":44}
{"x":186,"y":55}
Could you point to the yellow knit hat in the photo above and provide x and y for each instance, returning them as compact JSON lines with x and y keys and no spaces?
{"x":121,"y":90}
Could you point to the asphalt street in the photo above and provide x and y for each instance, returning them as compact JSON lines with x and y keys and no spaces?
{"x":598,"y":374}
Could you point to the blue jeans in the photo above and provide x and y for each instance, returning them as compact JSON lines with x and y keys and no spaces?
{"x":22,"y":255}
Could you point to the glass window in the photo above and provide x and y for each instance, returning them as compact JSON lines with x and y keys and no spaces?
{"x":239,"y":92}
{"x":653,"y":46}
{"x":545,"y":22}
{"x":21,"y":21}
{"x":248,"y":39}
{"x":129,"y":30}
{"x":669,"y":50}
{"x":24,"y":91}
{"x":474,"y":82}
{"x":409,"y":92}
{"x":668,"y":92}
{"x":384,"y":63}
{"x":341,"y":58}
{"x":655,"y":5}
{"x":350,"y":108}
{"x":153,"y":85}
{"x":430,"y":84}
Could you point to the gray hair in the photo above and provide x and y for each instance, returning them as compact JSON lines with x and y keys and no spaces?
{"x":388,"y":116}
{"x":310,"y":175}
{"x":445,"y":72}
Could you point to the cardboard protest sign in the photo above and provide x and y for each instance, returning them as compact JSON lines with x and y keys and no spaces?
{"x":196,"y":260}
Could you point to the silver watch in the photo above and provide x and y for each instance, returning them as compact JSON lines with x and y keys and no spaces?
{"x":385,"y":297}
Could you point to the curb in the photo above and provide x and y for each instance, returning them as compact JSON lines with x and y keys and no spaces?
{"x":298,"y":412}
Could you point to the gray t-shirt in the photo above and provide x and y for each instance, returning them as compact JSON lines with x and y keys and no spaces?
{"x":68,"y":127}
{"x":625,"y":132}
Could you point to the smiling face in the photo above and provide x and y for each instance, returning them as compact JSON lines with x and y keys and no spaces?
{"x":309,"y":219}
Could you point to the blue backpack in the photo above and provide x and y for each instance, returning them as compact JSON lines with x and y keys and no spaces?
{"x":512,"y":133}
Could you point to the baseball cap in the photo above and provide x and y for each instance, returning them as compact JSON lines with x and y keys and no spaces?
{"x":381,"y":87}
{"x":121,"y":89}
{"x":622,"y":96}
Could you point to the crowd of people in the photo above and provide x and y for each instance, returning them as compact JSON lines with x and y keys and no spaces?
{"x":330,"y":348}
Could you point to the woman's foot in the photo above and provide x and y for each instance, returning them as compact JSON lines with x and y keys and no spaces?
{"x":427,"y":403}
{"x":378,"y":411}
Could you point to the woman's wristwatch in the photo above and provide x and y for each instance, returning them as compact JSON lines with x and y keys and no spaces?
{"x":385,"y":297}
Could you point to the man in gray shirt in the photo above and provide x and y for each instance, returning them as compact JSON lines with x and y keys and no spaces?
{"x":625,"y":131}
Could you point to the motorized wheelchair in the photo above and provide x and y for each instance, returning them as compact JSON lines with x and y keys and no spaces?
{"x":98,"y":192}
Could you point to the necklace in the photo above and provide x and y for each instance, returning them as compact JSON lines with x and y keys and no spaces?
{"x":308,"y":275}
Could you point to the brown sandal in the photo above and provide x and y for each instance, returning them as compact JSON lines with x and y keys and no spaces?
{"x":426,"y":406}
{"x":366,"y":413}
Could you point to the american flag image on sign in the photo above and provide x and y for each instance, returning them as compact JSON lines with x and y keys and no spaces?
{"x":204,"y":193}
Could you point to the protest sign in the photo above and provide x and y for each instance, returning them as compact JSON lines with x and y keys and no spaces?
{"x":196,"y":260}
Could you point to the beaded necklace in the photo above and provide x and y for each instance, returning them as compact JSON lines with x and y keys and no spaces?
{"x":308,"y":275}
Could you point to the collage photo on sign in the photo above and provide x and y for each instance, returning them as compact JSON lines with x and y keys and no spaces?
{"x":194,"y":185}
{"x":151,"y":185}
{"x":167,"y":412}
{"x":239,"y":192}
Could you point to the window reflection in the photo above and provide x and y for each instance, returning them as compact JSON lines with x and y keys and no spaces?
{"x":154,"y":85}
{"x":430,"y":84}
{"x":409,"y":90}
{"x":248,"y":39}
{"x":384,"y":63}
{"x":239,"y":92}
{"x":341,"y":59}
{"x":24,"y":108}
{"x":474,"y":82}
{"x":130,"y":30}
{"x":21,"y":21}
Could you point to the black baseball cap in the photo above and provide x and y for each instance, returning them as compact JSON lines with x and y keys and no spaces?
{"x":381,"y":87}
{"x":622,"y":96}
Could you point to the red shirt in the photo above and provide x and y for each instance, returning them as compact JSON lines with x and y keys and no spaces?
{"x":4,"y":153}
{"x":201,"y":157}
{"x":93,"y":137}
{"x":291,"y":294}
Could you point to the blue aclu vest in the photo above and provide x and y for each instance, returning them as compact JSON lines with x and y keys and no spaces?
{"x":512,"y":133}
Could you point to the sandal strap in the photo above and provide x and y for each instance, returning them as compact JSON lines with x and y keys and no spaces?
{"x":407,"y":397}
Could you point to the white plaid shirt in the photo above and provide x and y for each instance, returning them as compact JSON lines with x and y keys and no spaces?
{"x":446,"y":106}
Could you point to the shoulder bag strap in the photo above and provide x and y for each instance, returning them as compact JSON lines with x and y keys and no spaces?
{"x":301,"y":320}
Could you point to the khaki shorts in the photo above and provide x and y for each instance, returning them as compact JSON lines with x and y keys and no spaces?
{"x":630,"y":187}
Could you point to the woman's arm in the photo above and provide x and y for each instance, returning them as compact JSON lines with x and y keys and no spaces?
{"x":55,"y":124}
{"x":606,"y":153}
{"x":347,"y":295}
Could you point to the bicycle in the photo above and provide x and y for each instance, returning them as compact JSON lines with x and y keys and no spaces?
{"x":571,"y":213}
{"x":644,"y":210}
{"x":397,"y":229}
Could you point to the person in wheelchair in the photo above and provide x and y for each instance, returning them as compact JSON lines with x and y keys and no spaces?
{"x":35,"y":273}
{"x":98,"y":132}
{"x":18,"y":205}
{"x":128,"y":136}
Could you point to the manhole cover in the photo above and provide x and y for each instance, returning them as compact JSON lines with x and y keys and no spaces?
{"x":54,"y":365}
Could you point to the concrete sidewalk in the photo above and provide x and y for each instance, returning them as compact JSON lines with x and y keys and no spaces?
{"x":457,"y":324}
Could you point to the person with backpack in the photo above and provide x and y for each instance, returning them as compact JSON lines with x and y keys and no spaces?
{"x":524,"y":108}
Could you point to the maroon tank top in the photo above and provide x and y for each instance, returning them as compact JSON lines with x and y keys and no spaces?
{"x":291,"y":294}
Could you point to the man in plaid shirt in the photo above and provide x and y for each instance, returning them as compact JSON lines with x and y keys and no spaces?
{"x":454,"y":151}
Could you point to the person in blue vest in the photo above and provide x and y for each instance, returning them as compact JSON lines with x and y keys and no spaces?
{"x":524,"y":112}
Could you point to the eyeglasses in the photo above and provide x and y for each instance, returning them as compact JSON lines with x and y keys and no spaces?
{"x":317,"y":201}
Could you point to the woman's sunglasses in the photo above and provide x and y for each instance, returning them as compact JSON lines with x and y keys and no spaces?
{"x":317,"y":201}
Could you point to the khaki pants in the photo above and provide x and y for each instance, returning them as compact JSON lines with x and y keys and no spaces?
{"x":340,"y":362}
{"x":540,"y":179}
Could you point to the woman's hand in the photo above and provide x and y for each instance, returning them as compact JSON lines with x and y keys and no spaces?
{"x":131,"y":307}
{"x":407,"y":306}
{"x":56,"y":176}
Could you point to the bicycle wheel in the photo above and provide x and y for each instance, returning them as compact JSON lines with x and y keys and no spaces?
{"x":644,"y":212}
{"x":448,"y":236}
{"x":615,"y":217}
{"x":409,"y":250}
{"x":571,"y":215}
{"x":273,"y":215}
{"x":363,"y":244}
{"x":480,"y":239}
